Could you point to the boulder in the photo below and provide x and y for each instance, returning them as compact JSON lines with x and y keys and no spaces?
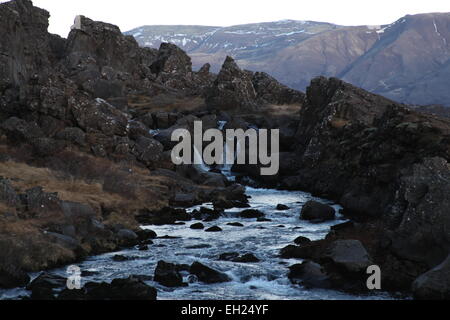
{"x":207,"y":275}
{"x":167,"y":274}
{"x":302,"y":241}
{"x":12,"y":278}
{"x":251,"y":213}
{"x":73,"y":135}
{"x":434,"y":284}
{"x":349,"y":255}
{"x":120,"y":258}
{"x":246,"y":258}
{"x":148,"y":150}
{"x":47,"y":280}
{"x":127,"y":237}
{"x":131,"y":288}
{"x":235,"y":224}
{"x":309,"y":274}
{"x":228,"y":256}
{"x":316,"y":211}
{"x":145,"y":235}
{"x":18,"y":130}
{"x":214,"y":229}
{"x":98,"y":115}
{"x":236,"y":257}
{"x":282,"y":207}
{"x":197,"y":226}
{"x":167,"y":215}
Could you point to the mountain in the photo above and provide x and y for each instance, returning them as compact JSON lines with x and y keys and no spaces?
{"x":408,"y":60}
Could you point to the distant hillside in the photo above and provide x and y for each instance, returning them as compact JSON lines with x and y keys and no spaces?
{"x":408,"y":60}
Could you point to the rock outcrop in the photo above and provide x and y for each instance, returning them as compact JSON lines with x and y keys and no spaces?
{"x":232,"y":90}
{"x":434,"y":284}
{"x":387,"y":165}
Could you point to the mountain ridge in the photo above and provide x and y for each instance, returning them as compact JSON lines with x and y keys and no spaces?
{"x":406,"y":60}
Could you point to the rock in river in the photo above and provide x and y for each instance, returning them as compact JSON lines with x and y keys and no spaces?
{"x":167,"y":274}
{"x":207,"y":275}
{"x":316,"y":211}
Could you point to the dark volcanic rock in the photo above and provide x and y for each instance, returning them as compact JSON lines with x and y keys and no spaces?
{"x":214,"y":229}
{"x":302,"y":241}
{"x":47,"y":280}
{"x":20,"y":130}
{"x":13,"y":278}
{"x":120,"y":258}
{"x":232,"y":90}
{"x":197,"y":226}
{"x":246,"y":258}
{"x":145,"y":235}
{"x":313,"y":210}
{"x":350,"y":255}
{"x":434,"y":284}
{"x":309,"y":274}
{"x":228,"y":256}
{"x":236,"y":257}
{"x":167,"y":274}
{"x":131,"y":288}
{"x":94,"y":47}
{"x":167,"y":215}
{"x":207,"y":275}
{"x":235,"y":224}
{"x":171,"y":59}
{"x":25,"y":45}
{"x":251,"y":213}
{"x":282,"y":207}
{"x":269,"y":90}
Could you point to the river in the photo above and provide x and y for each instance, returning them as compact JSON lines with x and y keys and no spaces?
{"x":265,"y":280}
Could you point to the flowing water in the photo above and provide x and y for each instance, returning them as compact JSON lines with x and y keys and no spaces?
{"x":264,"y":280}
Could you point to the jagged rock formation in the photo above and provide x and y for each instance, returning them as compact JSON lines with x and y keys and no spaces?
{"x":233,"y":89}
{"x":383,"y":163}
{"x":242,"y":90}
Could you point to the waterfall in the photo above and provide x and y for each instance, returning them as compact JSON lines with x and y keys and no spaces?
{"x":198,"y":161}
{"x":228,"y":165}
{"x":221,"y":124}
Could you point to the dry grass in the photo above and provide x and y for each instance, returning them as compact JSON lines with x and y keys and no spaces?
{"x":282,"y":110}
{"x":339,"y":123}
{"x":166,"y":103}
{"x":133,"y":189}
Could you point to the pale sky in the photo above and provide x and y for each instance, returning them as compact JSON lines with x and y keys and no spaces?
{"x":129,"y":14}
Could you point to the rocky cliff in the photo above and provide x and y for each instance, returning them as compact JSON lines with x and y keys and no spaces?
{"x":389,"y":168}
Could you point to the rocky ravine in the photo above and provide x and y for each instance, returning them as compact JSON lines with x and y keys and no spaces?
{"x":85,"y":154}
{"x":81,"y":161}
